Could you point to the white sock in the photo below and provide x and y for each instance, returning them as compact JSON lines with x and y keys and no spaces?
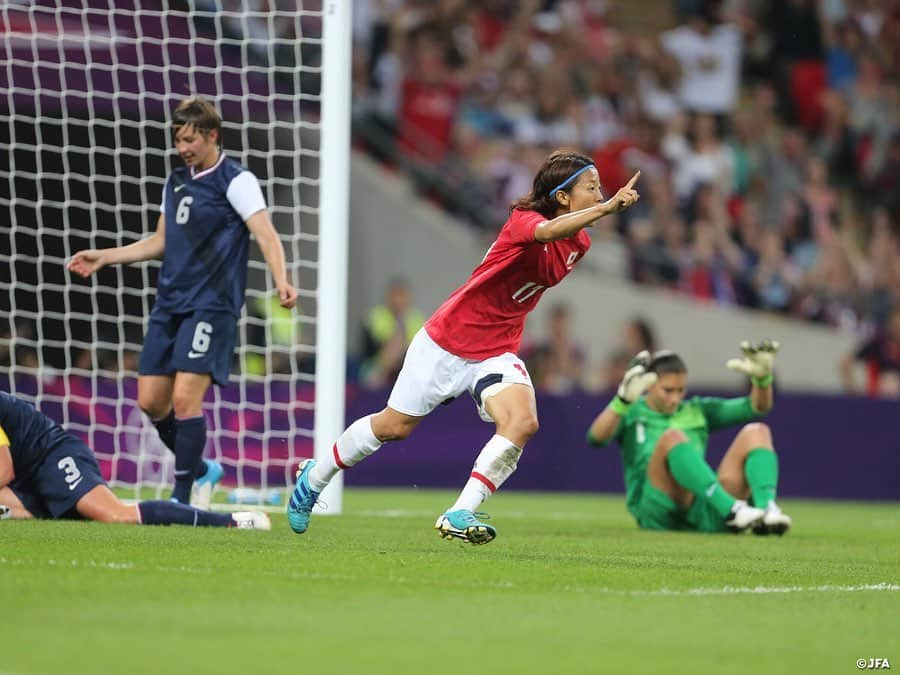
{"x":494,"y":464}
{"x":354,"y":445}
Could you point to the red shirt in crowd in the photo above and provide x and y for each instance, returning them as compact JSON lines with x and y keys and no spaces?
{"x":426,"y":118}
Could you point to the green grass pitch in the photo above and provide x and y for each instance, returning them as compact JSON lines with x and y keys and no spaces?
{"x":569,"y":586}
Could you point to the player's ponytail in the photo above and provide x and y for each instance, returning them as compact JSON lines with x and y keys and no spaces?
{"x":557,"y":173}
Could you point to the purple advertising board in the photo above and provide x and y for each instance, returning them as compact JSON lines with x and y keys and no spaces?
{"x":829,"y":446}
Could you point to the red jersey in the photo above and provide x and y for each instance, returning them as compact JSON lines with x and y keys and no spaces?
{"x":426,"y":118}
{"x":485,"y":316}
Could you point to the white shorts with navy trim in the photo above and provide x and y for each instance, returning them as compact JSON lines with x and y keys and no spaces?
{"x":432,"y":376}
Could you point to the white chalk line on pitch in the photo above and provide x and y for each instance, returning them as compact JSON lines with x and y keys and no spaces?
{"x":500,"y":585}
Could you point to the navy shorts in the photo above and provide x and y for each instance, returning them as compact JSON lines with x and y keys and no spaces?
{"x":197,"y":342}
{"x":68,"y":473}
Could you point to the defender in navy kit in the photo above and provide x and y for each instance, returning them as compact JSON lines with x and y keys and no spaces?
{"x":46,"y":472}
{"x":210,"y":206}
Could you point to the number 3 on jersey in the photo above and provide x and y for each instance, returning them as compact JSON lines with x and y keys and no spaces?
{"x":183,"y":212}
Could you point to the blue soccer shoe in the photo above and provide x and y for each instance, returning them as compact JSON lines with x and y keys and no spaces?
{"x":201,"y":497}
{"x":464,"y":524}
{"x":303,"y":498}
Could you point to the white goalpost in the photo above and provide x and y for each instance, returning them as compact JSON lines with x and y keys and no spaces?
{"x":87,"y":89}
{"x":334,"y":199}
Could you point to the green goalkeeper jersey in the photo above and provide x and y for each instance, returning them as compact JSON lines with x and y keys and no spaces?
{"x":640,"y":430}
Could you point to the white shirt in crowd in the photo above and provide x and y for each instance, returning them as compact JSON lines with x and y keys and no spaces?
{"x":710,"y":66}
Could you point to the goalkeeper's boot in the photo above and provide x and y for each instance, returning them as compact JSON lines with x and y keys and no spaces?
{"x":5,"y":512}
{"x":742,"y":516}
{"x":201,"y":497}
{"x":251,"y":520}
{"x":775,"y":521}
{"x":303,"y":498}
{"x":463,"y":524}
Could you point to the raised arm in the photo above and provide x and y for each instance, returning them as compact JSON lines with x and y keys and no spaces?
{"x":758,"y":362}
{"x":568,"y":224}
{"x":86,"y":262}
{"x":261,"y":226}
{"x":636,"y":381}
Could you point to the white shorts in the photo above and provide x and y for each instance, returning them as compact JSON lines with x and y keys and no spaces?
{"x":431,"y":376}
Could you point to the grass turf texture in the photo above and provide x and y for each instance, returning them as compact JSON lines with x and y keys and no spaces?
{"x":569,"y":586}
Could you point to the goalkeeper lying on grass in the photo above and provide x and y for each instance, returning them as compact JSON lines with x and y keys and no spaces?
{"x":662,"y":438}
{"x":46,"y":472}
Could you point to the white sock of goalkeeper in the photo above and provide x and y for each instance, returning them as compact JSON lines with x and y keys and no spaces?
{"x":354,"y":445}
{"x":494,"y":464}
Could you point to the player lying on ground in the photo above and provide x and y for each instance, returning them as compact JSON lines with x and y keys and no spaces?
{"x":210,"y":206}
{"x":662,"y":439}
{"x":45,"y":472}
{"x":470,"y":344}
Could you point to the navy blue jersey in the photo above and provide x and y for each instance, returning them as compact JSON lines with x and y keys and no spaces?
{"x":207,"y":240}
{"x":31,"y":434}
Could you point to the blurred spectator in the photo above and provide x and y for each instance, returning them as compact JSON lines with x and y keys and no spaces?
{"x":709,"y":53}
{"x":702,"y":159}
{"x":845,"y":42}
{"x":556,"y":364}
{"x":773,"y":281}
{"x":798,"y":59}
{"x":387,"y":332}
{"x":873,"y":113}
{"x":636,"y":335}
{"x":884,"y":188}
{"x":430,"y":95}
{"x":836,"y":143}
{"x":880,"y":354}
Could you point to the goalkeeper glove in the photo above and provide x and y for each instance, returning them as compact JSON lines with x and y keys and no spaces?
{"x":637,"y":380}
{"x":757,"y":361}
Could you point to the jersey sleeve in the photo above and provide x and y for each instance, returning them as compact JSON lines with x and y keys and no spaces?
{"x":162,"y":201}
{"x":4,"y":439}
{"x":726,"y":412}
{"x":245,"y":195}
{"x":522,"y":224}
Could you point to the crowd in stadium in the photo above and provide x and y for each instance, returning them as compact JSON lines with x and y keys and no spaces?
{"x":767,"y":132}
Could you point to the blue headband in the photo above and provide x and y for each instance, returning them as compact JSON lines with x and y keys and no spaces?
{"x":568,"y":180}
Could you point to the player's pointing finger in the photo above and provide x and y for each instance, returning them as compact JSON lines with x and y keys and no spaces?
{"x":630,"y":184}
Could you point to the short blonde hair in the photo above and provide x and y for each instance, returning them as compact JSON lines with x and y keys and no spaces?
{"x":200,"y":113}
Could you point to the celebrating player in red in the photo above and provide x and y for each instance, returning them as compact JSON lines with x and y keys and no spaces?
{"x":471,"y":341}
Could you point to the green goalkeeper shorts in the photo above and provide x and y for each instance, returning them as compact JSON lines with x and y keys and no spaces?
{"x":657,"y":511}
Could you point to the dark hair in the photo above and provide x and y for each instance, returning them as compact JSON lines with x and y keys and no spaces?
{"x":556,"y":169}
{"x":665,"y":362}
{"x":200,"y":113}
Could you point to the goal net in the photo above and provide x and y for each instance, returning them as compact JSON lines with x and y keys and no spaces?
{"x":87,"y":89}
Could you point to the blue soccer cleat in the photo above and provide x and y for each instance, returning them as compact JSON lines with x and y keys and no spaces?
{"x":303,"y":498}
{"x":201,"y":497}
{"x":464,"y":524}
